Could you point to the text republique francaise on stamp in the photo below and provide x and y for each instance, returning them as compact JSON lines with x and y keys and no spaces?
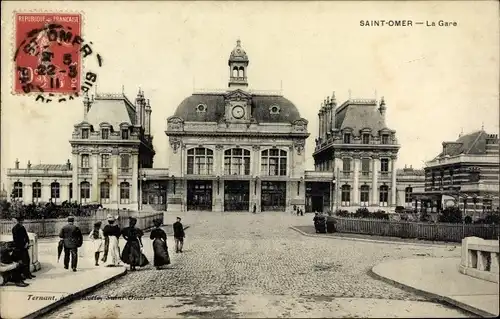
{"x":48,"y":56}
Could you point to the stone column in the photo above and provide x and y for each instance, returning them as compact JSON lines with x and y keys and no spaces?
{"x":375,"y":168}
{"x":135,"y":176}
{"x":393,"y":184}
{"x":255,"y":158}
{"x":355,"y":191}
{"x":337,"y":173}
{"x":76,"y":169}
{"x":219,"y":160}
{"x":27,"y":192}
{"x":94,"y":198}
{"x":113,"y":188}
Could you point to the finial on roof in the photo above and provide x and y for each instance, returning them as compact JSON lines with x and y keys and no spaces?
{"x":382,"y":101}
{"x":461,"y":132}
{"x":333,"y":100}
{"x":482,"y":126}
{"x":123,"y":89}
{"x":238,"y":42}
{"x":349,"y":94}
{"x":328,"y":100}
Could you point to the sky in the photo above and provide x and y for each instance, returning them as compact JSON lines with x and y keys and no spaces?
{"x":436,"y":81}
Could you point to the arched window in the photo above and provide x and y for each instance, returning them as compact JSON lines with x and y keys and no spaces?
{"x":346,"y":195}
{"x":408,"y":192}
{"x":37,"y":190}
{"x":235,"y":72}
{"x":54,"y":190}
{"x":104,"y":192}
{"x":200,"y":161}
{"x":18,"y":190}
{"x":237,"y":162}
{"x":84,"y":191}
{"x":124,"y":193}
{"x":364,"y":195}
{"x":241,"y":73}
{"x":384,"y":195}
{"x":274,"y":162}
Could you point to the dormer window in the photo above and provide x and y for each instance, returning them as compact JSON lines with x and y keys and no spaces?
{"x":366,"y":138}
{"x":85,"y":133}
{"x":385,"y":139}
{"x":124,"y":134}
{"x":201,"y":108}
{"x":105,"y":133}
{"x":347,"y":138}
{"x":274,"y":109}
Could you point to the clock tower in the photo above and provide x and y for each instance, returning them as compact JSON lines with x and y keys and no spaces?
{"x":238,"y":64}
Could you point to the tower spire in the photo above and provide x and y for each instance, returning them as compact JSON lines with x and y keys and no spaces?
{"x":238,"y":64}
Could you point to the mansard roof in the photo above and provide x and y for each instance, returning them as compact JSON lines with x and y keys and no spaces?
{"x":358,"y":115}
{"x":473,"y":143}
{"x":215,"y":109}
{"x":114,"y":109}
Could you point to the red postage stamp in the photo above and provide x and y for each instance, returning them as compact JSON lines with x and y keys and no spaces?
{"x":48,"y":53}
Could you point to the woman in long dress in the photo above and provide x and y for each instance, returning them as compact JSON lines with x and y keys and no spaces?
{"x":112,"y":235}
{"x":160,"y":249}
{"x":97,"y":239}
{"x":132,"y":253}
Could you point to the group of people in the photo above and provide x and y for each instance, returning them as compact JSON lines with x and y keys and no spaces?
{"x":105,"y":243}
{"x":15,"y":260}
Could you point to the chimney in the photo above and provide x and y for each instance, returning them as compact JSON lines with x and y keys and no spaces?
{"x":333,"y":103}
{"x":148,"y":118}
{"x":139,"y":100}
{"x":86,"y":105}
{"x":17,"y":163}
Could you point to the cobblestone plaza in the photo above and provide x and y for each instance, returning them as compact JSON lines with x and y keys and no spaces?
{"x":264,"y":269}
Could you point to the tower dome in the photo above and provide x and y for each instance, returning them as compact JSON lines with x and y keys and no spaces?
{"x":238,"y":54}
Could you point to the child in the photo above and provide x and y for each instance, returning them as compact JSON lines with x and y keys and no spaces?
{"x":97,"y":238}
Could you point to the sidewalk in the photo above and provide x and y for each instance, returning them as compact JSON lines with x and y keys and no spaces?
{"x":54,"y":285}
{"x":439,"y":278}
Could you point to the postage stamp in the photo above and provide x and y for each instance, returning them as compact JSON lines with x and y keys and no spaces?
{"x":48,"y":53}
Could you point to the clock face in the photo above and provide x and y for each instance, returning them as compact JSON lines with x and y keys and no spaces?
{"x":238,"y":112}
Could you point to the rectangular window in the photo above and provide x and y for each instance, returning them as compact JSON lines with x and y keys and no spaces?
{"x":105,"y":160}
{"x":366,"y":138}
{"x":365,"y":166}
{"x":105,"y":133}
{"x":125,"y":161}
{"x":385,"y":139}
{"x":384,"y":165}
{"x":347,"y":138}
{"x":85,"y":133}
{"x":346,"y":164}
{"x":190,"y":165}
{"x":85,"y":161}
{"x":125,"y":134}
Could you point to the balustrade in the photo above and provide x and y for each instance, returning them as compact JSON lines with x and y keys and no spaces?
{"x":480,"y":258}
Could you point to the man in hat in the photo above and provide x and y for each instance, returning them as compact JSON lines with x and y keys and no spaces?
{"x":21,"y":243}
{"x":178,"y":235}
{"x":72,"y":239}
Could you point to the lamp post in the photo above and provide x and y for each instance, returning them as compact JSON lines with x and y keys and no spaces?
{"x":143,"y":178}
{"x":173,"y":183}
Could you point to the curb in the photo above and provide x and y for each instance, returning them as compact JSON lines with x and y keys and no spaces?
{"x":372,"y":240}
{"x":434,"y":297}
{"x":72,"y":297}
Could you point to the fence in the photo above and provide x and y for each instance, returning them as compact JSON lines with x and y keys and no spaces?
{"x":51,"y":227}
{"x":404,"y":229}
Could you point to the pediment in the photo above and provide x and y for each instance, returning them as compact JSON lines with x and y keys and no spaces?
{"x":238,"y":95}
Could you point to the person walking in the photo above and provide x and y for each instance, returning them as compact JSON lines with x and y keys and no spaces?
{"x":254,"y":208}
{"x":72,"y":239}
{"x":21,"y":244}
{"x":97,"y":238}
{"x":178,"y":235}
{"x":112,"y":235}
{"x":132,"y":254}
{"x":160,"y":249}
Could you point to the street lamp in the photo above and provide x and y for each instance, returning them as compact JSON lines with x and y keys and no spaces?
{"x":173,"y":182}
{"x":218,"y":181}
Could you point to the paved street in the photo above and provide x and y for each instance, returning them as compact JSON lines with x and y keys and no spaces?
{"x":246,"y":265}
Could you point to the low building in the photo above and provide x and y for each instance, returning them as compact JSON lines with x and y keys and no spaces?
{"x":465,"y":173}
{"x":109,"y":147}
{"x":408,"y":182}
